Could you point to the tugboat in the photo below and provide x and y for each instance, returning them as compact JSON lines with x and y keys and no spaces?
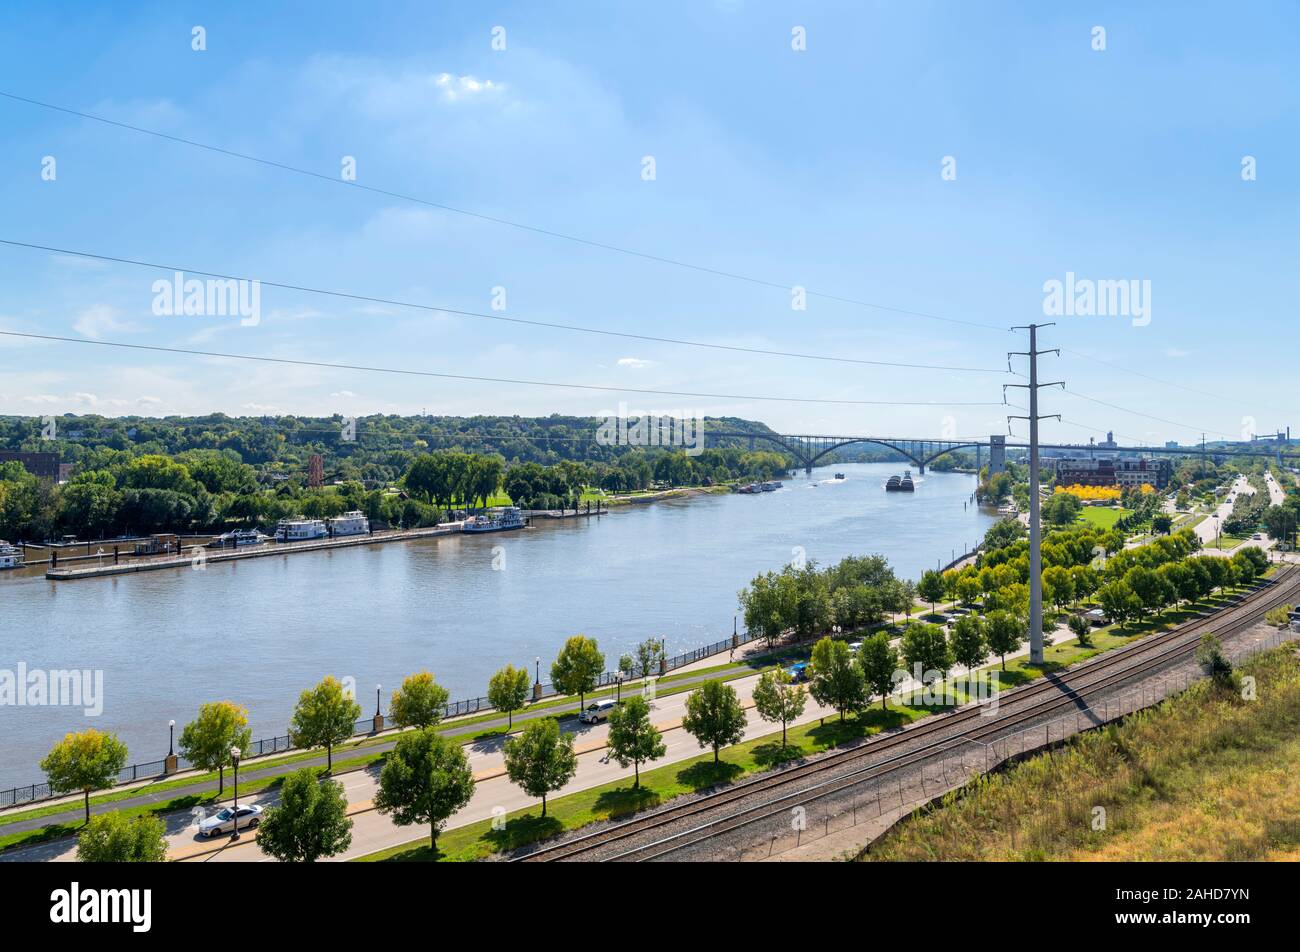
{"x":839,"y":475}
{"x":497,"y":520}
{"x":906,"y":484}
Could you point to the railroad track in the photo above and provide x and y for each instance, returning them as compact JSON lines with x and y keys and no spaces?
{"x":1016,"y":706}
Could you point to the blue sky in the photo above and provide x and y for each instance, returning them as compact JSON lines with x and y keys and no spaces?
{"x":819,"y":168}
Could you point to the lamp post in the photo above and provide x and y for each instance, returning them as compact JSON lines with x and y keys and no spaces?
{"x":618,"y":681}
{"x":234,"y":759}
{"x":169,"y":764}
{"x":537,"y":678}
{"x":378,"y":688}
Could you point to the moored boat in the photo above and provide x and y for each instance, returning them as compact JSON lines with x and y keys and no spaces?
{"x":11,"y":556}
{"x":349,"y":524}
{"x":300,"y":530}
{"x":496,"y":520}
{"x":238,"y":537}
{"x":770,"y":486}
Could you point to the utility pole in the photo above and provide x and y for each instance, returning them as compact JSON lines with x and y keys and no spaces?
{"x":1035,"y":501}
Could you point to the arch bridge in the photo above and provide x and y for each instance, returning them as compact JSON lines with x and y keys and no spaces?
{"x":810,"y":450}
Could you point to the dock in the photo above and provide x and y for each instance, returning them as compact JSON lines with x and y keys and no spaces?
{"x":215,"y":556}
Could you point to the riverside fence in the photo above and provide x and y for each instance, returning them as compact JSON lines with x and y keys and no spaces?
{"x":36,"y":792}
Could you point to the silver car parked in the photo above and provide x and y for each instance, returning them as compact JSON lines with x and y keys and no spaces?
{"x":224,"y":821}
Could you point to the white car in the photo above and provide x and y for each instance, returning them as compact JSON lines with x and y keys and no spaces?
{"x":597,"y":711}
{"x":855,"y":646}
{"x":224,"y":821}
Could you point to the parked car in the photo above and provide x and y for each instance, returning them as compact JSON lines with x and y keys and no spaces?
{"x":597,"y":711}
{"x":798,"y":672}
{"x":224,"y":821}
{"x":854,"y":646}
{"x":1096,"y":617}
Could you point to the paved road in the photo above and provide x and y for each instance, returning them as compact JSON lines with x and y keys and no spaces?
{"x":493,"y":792}
{"x":76,"y":810}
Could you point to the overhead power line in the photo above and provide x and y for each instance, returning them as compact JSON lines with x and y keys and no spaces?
{"x":494,"y":219}
{"x":606,"y":246}
{"x":434,"y":308}
{"x":480,"y":379}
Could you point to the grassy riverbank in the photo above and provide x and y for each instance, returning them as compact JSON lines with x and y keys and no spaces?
{"x":1206,"y":775}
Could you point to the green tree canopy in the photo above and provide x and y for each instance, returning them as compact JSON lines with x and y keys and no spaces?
{"x":310,"y":821}
{"x":326,"y":715}
{"x":114,"y":837}
{"x":578,"y":667}
{"x":541,"y":760}
{"x":426,"y":778}
{"x":89,"y":760}
{"x":714,"y":716}
{"x":632,"y":738}
{"x":206,"y":741}
{"x":508,"y":691}
{"x":419,"y":702}
{"x":778,"y":700}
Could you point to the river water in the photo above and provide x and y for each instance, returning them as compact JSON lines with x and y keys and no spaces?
{"x":260,"y":631}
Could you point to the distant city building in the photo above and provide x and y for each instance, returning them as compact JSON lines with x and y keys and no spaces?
{"x":40,"y":465}
{"x":1108,"y":443}
{"x":1110,"y":471}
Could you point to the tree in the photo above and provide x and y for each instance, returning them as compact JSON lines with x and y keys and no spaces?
{"x":931,"y":587}
{"x":836,"y":678}
{"x":420,"y":701}
{"x":1004,"y":632}
{"x":325,"y":716}
{"x":508,"y":690}
{"x":878,"y":660}
{"x":426,"y":778}
{"x":649,"y":655}
{"x":1118,"y":601}
{"x":632,"y":738}
{"x":768,"y":605}
{"x":578,"y":667}
{"x":925,"y":648}
{"x":969,"y":648}
{"x":714,"y":716}
{"x":777,"y":699}
{"x":311,"y":821}
{"x":968,"y":587}
{"x":1153,"y":592}
{"x":1081,"y":629}
{"x":115,"y":838}
{"x":206,"y":741}
{"x":83,"y":762}
{"x":1058,"y":586}
{"x":541,"y":759}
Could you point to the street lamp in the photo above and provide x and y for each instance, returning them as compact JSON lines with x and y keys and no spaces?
{"x":378,"y":688}
{"x":234,"y":759}
{"x":171,"y":737}
{"x":537,"y":669}
{"x":618,"y":680}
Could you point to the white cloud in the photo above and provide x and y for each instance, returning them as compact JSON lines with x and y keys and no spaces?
{"x":635,"y":363}
{"x":95,"y":321}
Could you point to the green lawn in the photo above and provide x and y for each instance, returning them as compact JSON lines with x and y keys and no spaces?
{"x":1103,"y":517}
